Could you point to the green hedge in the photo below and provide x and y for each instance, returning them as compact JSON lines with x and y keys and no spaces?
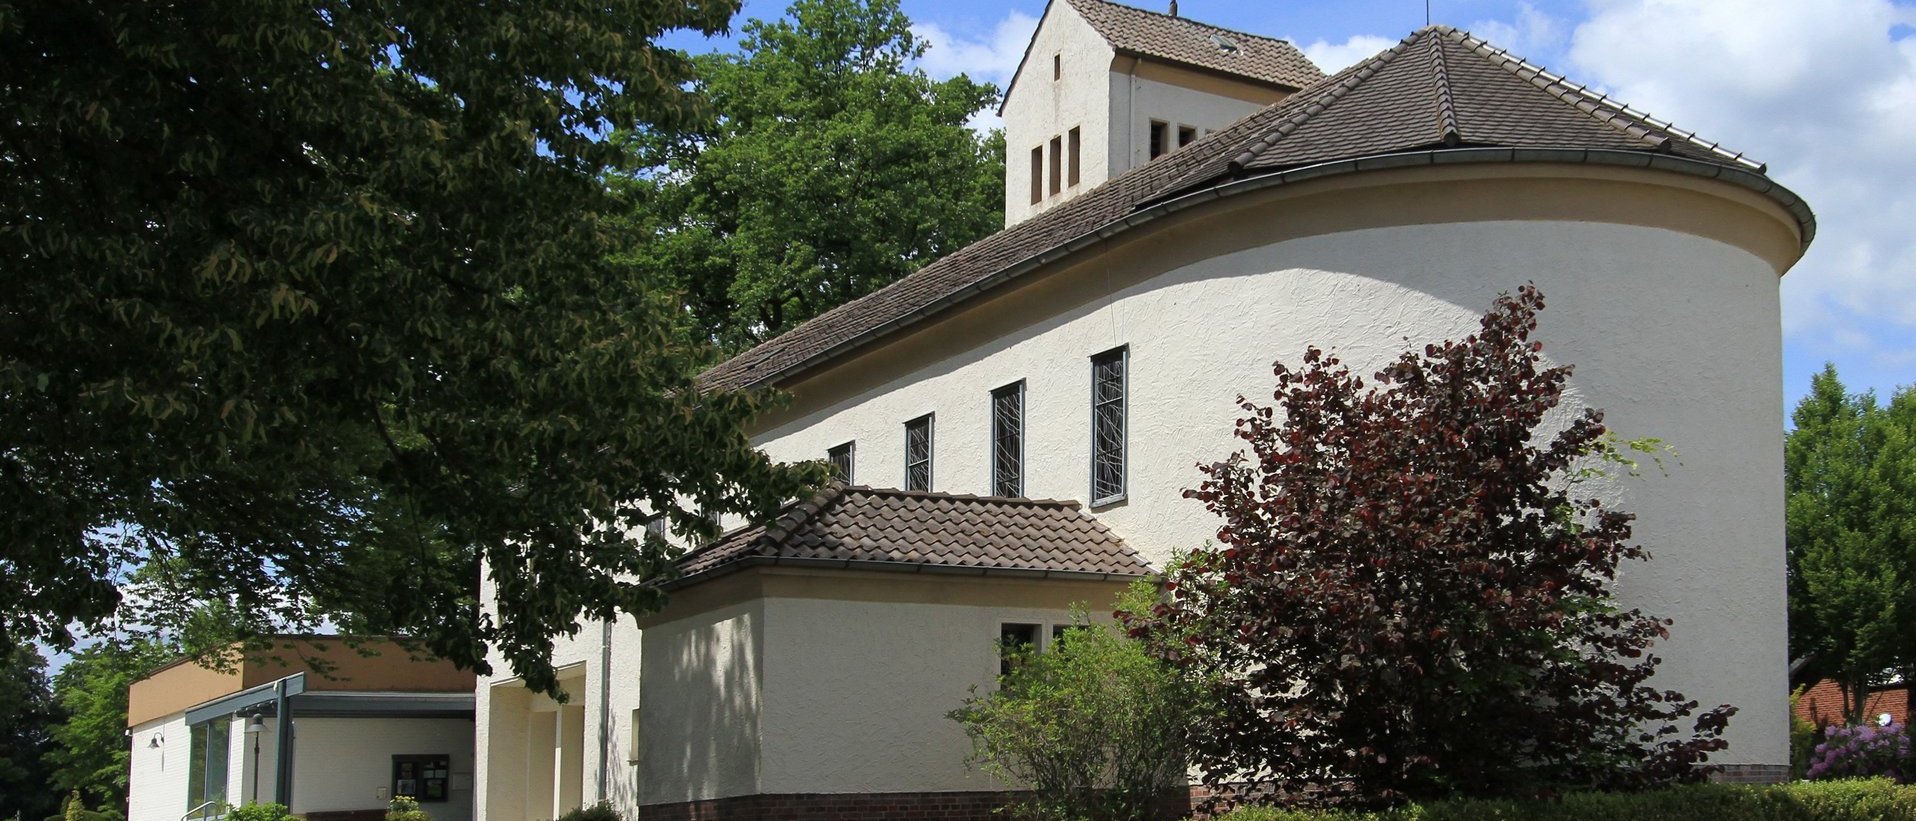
{"x":1859,"y":800}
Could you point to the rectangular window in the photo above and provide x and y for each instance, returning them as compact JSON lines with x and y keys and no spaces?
{"x":1037,"y":175}
{"x":1008,"y":440}
{"x":841,"y":461}
{"x":655,"y":527}
{"x":1013,"y":638}
{"x":1077,"y":152}
{"x":1057,"y":66}
{"x":632,"y":740}
{"x":918,"y":453}
{"x":208,"y":746}
{"x":1057,"y":164}
{"x":1107,"y":426}
{"x":1160,"y":138}
{"x":1186,"y":135}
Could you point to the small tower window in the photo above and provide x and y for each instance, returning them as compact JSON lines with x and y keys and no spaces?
{"x":1057,"y":66}
{"x":1160,"y":138}
{"x":1186,"y":135}
{"x":1057,"y":164}
{"x":1076,"y":145}
{"x":1037,"y":175}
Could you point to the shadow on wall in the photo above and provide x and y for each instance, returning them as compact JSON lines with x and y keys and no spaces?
{"x":700,"y":709}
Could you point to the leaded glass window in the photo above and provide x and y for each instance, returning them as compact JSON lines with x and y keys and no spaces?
{"x":1107,"y":426}
{"x":841,"y":462}
{"x":918,"y":453}
{"x":1008,"y":440}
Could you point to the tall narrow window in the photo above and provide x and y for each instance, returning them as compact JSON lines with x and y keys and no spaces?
{"x":1008,"y":440}
{"x":1037,"y":175}
{"x":1057,"y":164}
{"x":1107,"y":426}
{"x":208,"y":746}
{"x":633,"y":741}
{"x":1057,"y":66}
{"x":1160,"y":138}
{"x":841,"y":461}
{"x":918,"y":453}
{"x":1077,"y":145}
{"x":1186,"y":135}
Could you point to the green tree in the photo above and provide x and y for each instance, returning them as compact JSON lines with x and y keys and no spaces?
{"x":318,"y":299}
{"x":831,"y":167}
{"x":27,"y":715}
{"x":1849,"y":476}
{"x":89,"y":754}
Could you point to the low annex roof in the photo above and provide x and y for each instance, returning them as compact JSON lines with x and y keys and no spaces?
{"x":869,"y":528}
{"x":1440,"y":95}
{"x":1135,"y":31}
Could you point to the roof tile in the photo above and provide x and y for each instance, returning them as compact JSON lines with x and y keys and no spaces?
{"x":1137,"y":31}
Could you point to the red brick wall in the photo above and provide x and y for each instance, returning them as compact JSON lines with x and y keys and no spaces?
{"x":918,"y":806}
{"x":1822,"y":704}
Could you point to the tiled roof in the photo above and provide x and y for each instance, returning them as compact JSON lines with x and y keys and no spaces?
{"x":916,"y":530}
{"x":1176,"y":39}
{"x":1440,"y":90}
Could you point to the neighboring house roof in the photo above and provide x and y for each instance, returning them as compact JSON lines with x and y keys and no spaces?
{"x":1439,"y":96}
{"x":1138,"y":32}
{"x":916,"y":531}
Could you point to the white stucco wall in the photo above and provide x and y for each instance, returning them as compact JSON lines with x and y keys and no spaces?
{"x":1039,"y":108}
{"x":700,"y":722}
{"x":156,"y":789}
{"x":856,"y":692}
{"x":346,"y":763}
{"x":1142,"y":91}
{"x":1674,"y":335}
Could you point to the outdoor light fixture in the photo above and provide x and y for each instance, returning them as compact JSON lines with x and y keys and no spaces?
{"x":255,"y":726}
{"x":155,"y":742}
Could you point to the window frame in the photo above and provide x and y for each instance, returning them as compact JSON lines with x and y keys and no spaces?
{"x":1158,"y":139}
{"x":1017,"y":390}
{"x":1056,"y":177}
{"x":1037,"y":174}
{"x":1005,"y":626}
{"x":931,"y":449}
{"x":1122,"y":355}
{"x":1075,"y":172}
{"x":200,"y":754}
{"x":850,"y":448}
{"x":1057,"y":66}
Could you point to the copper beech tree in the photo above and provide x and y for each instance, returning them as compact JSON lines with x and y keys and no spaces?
{"x":1407,"y":599}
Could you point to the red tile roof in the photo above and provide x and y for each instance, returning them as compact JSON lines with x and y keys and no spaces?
{"x":871,"y":528}
{"x":1439,"y":95}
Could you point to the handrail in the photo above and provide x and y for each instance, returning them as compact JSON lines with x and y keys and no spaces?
{"x":203,"y":805}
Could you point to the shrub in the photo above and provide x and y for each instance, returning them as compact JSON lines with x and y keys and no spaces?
{"x":73,"y":808}
{"x":258,"y":812}
{"x":1408,"y":602}
{"x":1860,"y":752}
{"x":1804,"y":736}
{"x":1095,"y":727}
{"x":1856,"y":800}
{"x":601,"y":811}
{"x":404,"y":808}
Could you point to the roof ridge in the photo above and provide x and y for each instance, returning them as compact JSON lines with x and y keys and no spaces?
{"x":1352,"y":77}
{"x":1212,"y":26}
{"x":1072,"y":504}
{"x":1446,"y":106}
{"x":1631,"y":122}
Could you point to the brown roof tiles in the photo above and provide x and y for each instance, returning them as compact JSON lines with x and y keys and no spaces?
{"x":914,"y":530}
{"x":1175,"y":39}
{"x":1439,"y":90}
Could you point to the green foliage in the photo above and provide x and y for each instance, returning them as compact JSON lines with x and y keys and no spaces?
{"x":1094,"y":726}
{"x":601,"y":811}
{"x":319,"y":300}
{"x":90,"y":754}
{"x":1862,"y":800}
{"x":404,"y":808}
{"x":259,"y":812}
{"x":28,"y":713}
{"x":1803,"y":736}
{"x":830,"y":168}
{"x":73,"y":808}
{"x":1850,"y":479}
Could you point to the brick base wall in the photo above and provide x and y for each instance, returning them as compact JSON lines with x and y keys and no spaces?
{"x":1752,"y":774}
{"x":910,"y":806}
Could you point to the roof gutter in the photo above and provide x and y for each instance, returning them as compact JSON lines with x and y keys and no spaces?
{"x":892,"y":567}
{"x":1155,"y":210}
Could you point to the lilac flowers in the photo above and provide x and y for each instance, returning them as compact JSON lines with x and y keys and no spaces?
{"x":1861,"y":752}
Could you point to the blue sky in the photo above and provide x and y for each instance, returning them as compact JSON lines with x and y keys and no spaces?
{"x":1825,"y":92}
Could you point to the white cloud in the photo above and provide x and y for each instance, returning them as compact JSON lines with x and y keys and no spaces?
{"x":1826,"y":95}
{"x":1534,"y":33}
{"x":1335,"y":57}
{"x":991,"y":58}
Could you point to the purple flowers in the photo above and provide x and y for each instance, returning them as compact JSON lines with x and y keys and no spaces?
{"x":1861,"y":752}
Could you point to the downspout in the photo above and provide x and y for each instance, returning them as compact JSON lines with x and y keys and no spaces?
{"x":605,"y":703}
{"x":283,"y":741}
